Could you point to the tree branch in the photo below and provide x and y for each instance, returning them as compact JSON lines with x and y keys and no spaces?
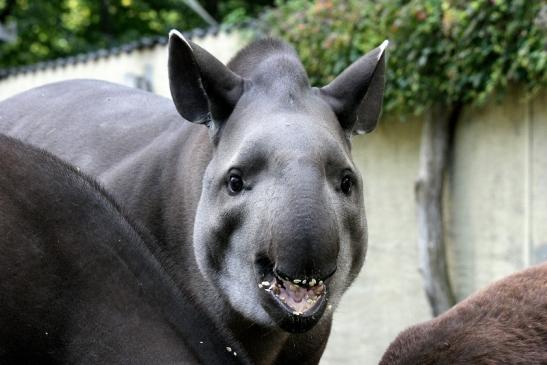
{"x":436,"y":144}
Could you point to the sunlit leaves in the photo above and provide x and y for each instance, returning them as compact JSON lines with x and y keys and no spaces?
{"x":49,"y":29}
{"x":451,"y":51}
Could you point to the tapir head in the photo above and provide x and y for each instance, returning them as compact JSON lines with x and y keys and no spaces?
{"x":280,"y":228}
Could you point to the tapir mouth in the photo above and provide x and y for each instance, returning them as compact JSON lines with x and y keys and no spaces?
{"x":298,"y":296}
{"x":296,"y":304}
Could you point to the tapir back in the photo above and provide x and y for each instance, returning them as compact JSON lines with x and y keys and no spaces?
{"x":505,"y":323}
{"x":82,"y":284}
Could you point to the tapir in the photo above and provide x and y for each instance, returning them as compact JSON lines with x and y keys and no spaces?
{"x":246,"y":176}
{"x":504,"y":323}
{"x":80,"y":283}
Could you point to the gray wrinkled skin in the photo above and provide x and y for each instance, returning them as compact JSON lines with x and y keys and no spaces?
{"x":290,"y":144}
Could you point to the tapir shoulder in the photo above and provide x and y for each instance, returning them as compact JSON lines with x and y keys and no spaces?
{"x":94,"y":124}
{"x":86,"y":103}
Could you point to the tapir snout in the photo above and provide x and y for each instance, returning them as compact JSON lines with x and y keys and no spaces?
{"x":306,"y":240}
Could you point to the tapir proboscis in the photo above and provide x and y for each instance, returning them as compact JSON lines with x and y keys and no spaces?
{"x":253,"y":191}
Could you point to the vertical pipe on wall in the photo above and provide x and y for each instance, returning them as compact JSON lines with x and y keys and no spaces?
{"x":528,"y":176}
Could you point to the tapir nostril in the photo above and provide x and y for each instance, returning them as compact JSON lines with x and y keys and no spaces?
{"x":264,"y":263}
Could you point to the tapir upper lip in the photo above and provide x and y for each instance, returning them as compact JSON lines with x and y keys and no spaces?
{"x":266,"y":266}
{"x":301,"y":278}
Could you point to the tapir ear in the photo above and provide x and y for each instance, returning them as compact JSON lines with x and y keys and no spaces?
{"x":356,"y":94}
{"x":203,"y":89}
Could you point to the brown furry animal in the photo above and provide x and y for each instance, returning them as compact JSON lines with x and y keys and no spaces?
{"x":505,"y":323}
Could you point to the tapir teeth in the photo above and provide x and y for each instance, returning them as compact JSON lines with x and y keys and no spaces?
{"x":299,"y":299}
{"x":319,"y":289}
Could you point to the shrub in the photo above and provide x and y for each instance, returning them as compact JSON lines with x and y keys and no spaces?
{"x":451,"y":51}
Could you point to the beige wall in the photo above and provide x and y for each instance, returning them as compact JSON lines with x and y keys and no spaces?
{"x":538,"y":180}
{"x":496,"y":195}
{"x":122,"y":68}
{"x":488,"y":205}
{"x":498,"y":192}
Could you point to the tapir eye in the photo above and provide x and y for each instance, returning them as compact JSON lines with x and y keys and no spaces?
{"x":346,"y":184}
{"x":235,"y":183}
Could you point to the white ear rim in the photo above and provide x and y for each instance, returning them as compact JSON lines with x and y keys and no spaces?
{"x":176,"y":33}
{"x":383,"y":47}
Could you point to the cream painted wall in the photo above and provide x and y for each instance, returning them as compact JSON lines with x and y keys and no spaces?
{"x":538,"y":191}
{"x":498,"y":192}
{"x":496,"y":201}
{"x":123,"y":67}
{"x":488,"y":196}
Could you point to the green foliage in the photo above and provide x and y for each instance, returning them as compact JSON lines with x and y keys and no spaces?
{"x":49,"y":29}
{"x":451,"y":51}
{"x":238,"y":11}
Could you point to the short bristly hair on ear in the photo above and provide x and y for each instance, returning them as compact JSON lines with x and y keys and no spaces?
{"x":356,"y":95}
{"x":204,"y":90}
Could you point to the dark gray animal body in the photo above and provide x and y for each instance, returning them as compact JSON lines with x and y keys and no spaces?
{"x":505,"y":323}
{"x":264,"y":208}
{"x":80,"y":284}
